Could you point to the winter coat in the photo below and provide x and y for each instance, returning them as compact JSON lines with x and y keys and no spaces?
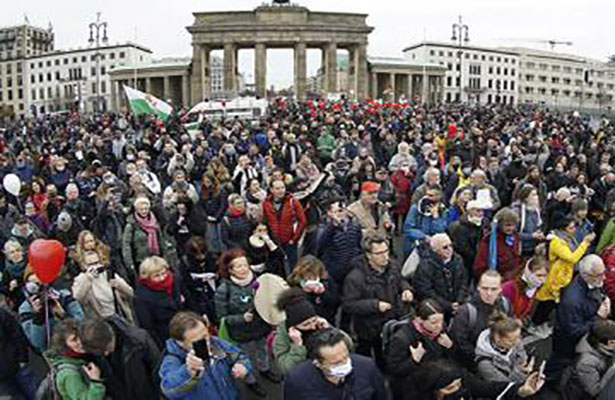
{"x":418,"y":226}
{"x":531,"y":223}
{"x":399,"y":362}
{"x":589,"y":374}
{"x":154,"y":310}
{"x":338,"y":244}
{"x":326,"y":303}
{"x":34,"y":324}
{"x":7,"y":221}
{"x":136,"y":358}
{"x":508,"y":259}
{"x":521,"y":304}
{"x":134,"y":245}
{"x":71,"y":383}
{"x":199,"y":294}
{"x":13,"y":345}
{"x":84,"y":294}
{"x":306,"y":382}
{"x":365,"y":217}
{"x":209,"y":206}
{"x":402,"y":184}
{"x":282,"y":222}
{"x":215,"y":382}
{"x":364,"y":288}
{"x":465,"y":334}
{"x":465,"y":237}
{"x":575,"y":315}
{"x":287,"y":354}
{"x":232,"y":302}
{"x":562,"y":260}
{"x":495,"y":365}
{"x":236,"y":231}
{"x":446,"y":283}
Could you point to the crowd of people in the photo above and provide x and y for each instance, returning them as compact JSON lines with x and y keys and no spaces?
{"x":427,"y":252}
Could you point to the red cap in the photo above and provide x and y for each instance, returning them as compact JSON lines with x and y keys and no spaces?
{"x":370,"y":187}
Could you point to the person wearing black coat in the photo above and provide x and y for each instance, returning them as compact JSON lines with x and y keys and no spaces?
{"x":373,"y":293}
{"x":236,"y":226}
{"x":581,"y":303}
{"x":426,"y":330}
{"x":16,"y":379}
{"x":339,"y":241}
{"x":466,"y":234}
{"x":199,"y":272}
{"x":442,"y":276}
{"x":128,"y":357}
{"x":157,"y":298}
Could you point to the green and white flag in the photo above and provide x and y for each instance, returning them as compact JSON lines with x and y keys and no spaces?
{"x":144,"y":103}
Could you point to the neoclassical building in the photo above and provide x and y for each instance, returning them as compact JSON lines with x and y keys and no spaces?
{"x":189,"y":81}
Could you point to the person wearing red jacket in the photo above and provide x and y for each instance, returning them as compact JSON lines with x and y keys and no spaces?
{"x":286,"y":220}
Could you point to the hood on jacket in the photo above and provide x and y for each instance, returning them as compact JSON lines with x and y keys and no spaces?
{"x":485,"y":349}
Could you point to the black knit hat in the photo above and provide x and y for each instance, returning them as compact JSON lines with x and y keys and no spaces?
{"x":296,"y":306}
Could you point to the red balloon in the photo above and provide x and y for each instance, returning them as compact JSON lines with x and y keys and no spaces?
{"x":46,"y":258}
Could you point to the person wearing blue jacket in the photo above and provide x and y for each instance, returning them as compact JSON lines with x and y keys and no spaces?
{"x":425,"y":219}
{"x":185,"y":376}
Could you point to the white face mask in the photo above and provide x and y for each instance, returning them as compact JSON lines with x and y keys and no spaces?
{"x":341,"y":371}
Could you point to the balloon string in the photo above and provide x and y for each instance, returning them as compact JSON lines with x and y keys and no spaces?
{"x":47,"y":326}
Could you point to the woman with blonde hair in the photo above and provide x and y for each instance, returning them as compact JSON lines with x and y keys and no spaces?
{"x":311,"y":276}
{"x":157,"y":297}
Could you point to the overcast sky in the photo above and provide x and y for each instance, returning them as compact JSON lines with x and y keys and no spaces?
{"x":160,"y":25}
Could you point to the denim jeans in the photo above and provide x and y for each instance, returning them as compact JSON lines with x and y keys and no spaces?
{"x":291,"y":257}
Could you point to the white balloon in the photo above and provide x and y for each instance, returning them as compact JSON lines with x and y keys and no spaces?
{"x":12,"y":184}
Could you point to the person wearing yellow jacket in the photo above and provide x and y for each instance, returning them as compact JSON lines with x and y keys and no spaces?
{"x":564,"y":253}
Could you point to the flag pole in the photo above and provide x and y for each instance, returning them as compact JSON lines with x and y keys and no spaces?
{"x":135,"y":61}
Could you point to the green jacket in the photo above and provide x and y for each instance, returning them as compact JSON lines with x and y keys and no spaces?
{"x":325,"y":145}
{"x":286,"y":354}
{"x":71,"y":383}
{"x":134,"y":244}
{"x":607,"y":237}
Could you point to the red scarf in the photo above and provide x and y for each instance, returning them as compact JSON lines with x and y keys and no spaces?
{"x":70,"y":353}
{"x":418,"y":325}
{"x":150,"y":225}
{"x":164,"y":285}
{"x":234,"y":212}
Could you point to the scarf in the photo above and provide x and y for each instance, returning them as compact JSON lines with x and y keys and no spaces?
{"x":245,"y":281}
{"x":418,"y":325}
{"x":234,"y":212}
{"x":531,"y":283}
{"x":524,"y":210}
{"x":164,"y":285}
{"x":150,"y":226}
{"x":15,"y":270}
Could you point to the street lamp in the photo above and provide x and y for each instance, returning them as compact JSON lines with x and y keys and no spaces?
{"x":460,"y":35}
{"x":95,"y":30}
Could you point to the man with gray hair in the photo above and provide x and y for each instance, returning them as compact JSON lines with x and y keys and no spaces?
{"x":582,"y":302}
{"x":431,"y":178}
{"x":441,"y":275}
{"x":483,"y":190}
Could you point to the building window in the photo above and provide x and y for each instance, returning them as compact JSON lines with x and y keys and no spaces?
{"x":490,"y":83}
{"x":93,"y":71}
{"x":103,"y":87}
{"x":57,"y":75}
{"x":449,"y":66}
{"x":20,"y":94}
{"x":467,"y":56}
{"x":123,"y":54}
{"x":505,"y":85}
{"x":57,"y":62}
{"x":482,"y":57}
{"x":474,"y":83}
{"x":93,"y":87}
{"x":103,"y":70}
{"x":490,"y":69}
{"x":542,"y":91}
{"x":449,"y":81}
{"x":432,"y":53}
{"x":448,"y":97}
{"x":512,"y":85}
{"x":555,"y":79}
{"x":474,"y":69}
{"x":542,"y":78}
{"x":440,"y":53}
{"x":84,"y":58}
{"x":65,"y":61}
{"x":457,"y":66}
{"x":32,"y":66}
{"x":9,"y":81}
{"x":32,"y":78}
{"x":457,"y":82}
{"x":49,"y":76}
{"x":498,"y":71}
{"x":49,"y":93}
{"x":33,"y":94}
{"x":512,"y":72}
{"x":41,"y":94}
{"x":475,"y":57}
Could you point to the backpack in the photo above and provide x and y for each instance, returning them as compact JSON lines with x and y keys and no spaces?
{"x":47,"y":389}
{"x":473,"y":312}
{"x":390,"y":328}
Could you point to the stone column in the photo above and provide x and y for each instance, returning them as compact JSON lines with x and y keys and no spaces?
{"x":392,"y":87}
{"x":230,"y":67}
{"x":374,"y":86}
{"x":186,"y":90}
{"x":114,"y":106}
{"x":425,"y":89}
{"x":166,"y":87}
{"x":148,"y":85}
{"x":331,"y":85}
{"x":409,"y":94}
{"x":260,"y":69}
{"x":300,"y":70}
{"x":352,"y":73}
{"x":361,"y":71}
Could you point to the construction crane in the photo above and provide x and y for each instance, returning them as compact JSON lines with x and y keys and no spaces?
{"x":550,"y":42}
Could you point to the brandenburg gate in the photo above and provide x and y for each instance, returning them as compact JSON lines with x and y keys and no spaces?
{"x":274,"y":27}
